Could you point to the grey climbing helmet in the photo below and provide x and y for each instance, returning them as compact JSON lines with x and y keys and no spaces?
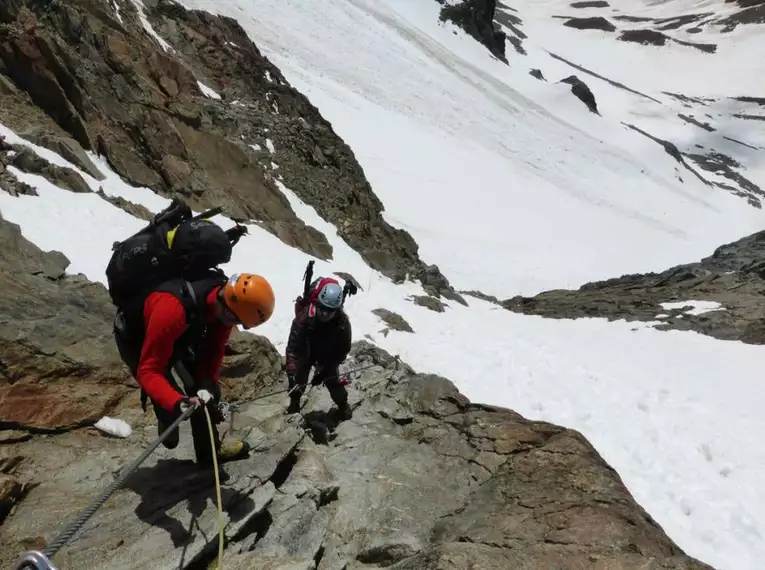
{"x":330,"y":297}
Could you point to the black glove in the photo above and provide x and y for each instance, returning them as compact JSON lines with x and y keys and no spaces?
{"x":234,"y":234}
{"x":174,"y":214}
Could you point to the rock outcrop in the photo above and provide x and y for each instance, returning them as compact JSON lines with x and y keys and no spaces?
{"x":394,"y":321}
{"x":314,"y":493}
{"x":592,"y":23}
{"x":582,"y":92}
{"x":58,"y":368}
{"x":476,"y":17}
{"x":200,"y":113}
{"x":656,"y":38}
{"x":733,"y":277}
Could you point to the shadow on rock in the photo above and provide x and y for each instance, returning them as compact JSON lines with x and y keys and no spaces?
{"x":171,"y":481}
{"x":321,"y":425}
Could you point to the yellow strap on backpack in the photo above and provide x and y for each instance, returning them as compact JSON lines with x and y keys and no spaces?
{"x":171,"y":234}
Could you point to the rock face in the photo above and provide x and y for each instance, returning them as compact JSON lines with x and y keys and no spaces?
{"x":653,"y":37}
{"x":593,"y":23}
{"x":429,"y":302}
{"x":733,"y":276}
{"x":510,"y":493}
{"x":394,"y":321}
{"x":314,"y":493}
{"x":8,"y":180}
{"x":58,"y":369}
{"x":476,"y":17}
{"x":582,"y":92}
{"x":79,"y":75}
{"x":27,"y":160}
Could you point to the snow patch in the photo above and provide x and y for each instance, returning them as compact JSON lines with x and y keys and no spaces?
{"x":141,"y":9}
{"x":697,"y":307}
{"x":113,"y":426}
{"x":116,"y":6}
{"x":207,"y":91}
{"x":270,"y":146}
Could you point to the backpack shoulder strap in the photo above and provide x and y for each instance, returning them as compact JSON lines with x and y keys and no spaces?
{"x":193,"y":294}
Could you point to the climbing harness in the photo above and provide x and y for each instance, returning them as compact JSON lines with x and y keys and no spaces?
{"x":40,"y":560}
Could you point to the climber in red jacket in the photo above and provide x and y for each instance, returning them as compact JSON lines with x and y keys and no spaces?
{"x":187,"y":326}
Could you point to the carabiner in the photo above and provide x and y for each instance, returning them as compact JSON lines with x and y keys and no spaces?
{"x":34,"y":560}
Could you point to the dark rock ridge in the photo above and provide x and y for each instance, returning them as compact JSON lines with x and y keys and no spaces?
{"x":690,"y":119}
{"x":753,"y":12}
{"x":582,"y":92}
{"x":715,"y":162}
{"x":590,"y":4}
{"x":76,"y":77}
{"x":394,"y":321}
{"x":8,"y":180}
{"x":476,"y":17}
{"x":591,"y":23}
{"x":709,"y":160}
{"x":506,"y":16}
{"x":603,"y":78}
{"x":537,"y":73}
{"x":733,"y":276}
{"x":429,"y":302}
{"x":27,"y":160}
{"x":419,"y":478}
{"x":653,"y":37}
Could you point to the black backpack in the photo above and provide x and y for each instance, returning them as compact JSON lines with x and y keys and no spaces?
{"x":174,"y":246}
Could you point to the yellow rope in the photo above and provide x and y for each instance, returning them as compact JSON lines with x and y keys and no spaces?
{"x":217,"y":490}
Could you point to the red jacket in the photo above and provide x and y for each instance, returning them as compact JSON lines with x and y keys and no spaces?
{"x":165,"y":321}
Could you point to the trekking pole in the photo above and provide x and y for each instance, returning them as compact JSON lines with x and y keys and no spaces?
{"x":31,"y":559}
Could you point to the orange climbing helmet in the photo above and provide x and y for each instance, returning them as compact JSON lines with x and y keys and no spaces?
{"x":250,"y":297}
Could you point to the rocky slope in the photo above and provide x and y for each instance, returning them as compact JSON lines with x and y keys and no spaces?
{"x":509,"y":493}
{"x":196,"y":111}
{"x":733,"y":277}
